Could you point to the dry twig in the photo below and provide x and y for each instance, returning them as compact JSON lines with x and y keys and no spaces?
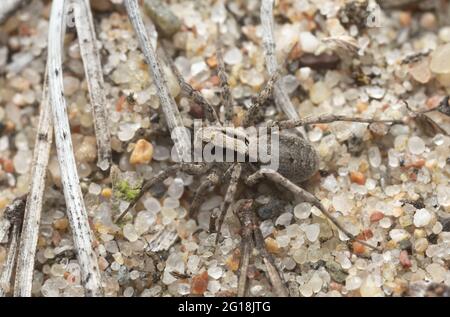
{"x":282,"y":99}
{"x":14,"y":214}
{"x":92,"y":67}
{"x":33,"y":209}
{"x":76,"y":211}
{"x":178,"y":131}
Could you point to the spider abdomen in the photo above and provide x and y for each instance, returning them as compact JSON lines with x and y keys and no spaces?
{"x":298,"y":160}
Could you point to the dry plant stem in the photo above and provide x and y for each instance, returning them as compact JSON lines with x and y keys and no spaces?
{"x":303,"y":195}
{"x":178,"y":131}
{"x":14,"y":213}
{"x":76,"y":211}
{"x":33,"y":208}
{"x":8,"y":267}
{"x":92,"y":67}
{"x":8,"y":7}
{"x":328,"y":118}
{"x":282,"y":99}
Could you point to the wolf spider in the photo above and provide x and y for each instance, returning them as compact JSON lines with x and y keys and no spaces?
{"x":298,"y":162}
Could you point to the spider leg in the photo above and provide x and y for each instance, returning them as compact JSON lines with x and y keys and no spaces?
{"x":246,"y":245}
{"x":328,"y":118}
{"x":303,"y":194}
{"x":229,"y":196}
{"x":224,"y":87}
{"x":211,"y":181}
{"x":190,"y":92}
{"x":212,"y":219}
{"x":272,"y":271}
{"x":194,"y":169}
{"x":260,"y":100}
{"x":250,"y":225}
{"x":246,"y":248}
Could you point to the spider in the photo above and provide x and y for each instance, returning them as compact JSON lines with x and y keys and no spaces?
{"x":298,"y":162}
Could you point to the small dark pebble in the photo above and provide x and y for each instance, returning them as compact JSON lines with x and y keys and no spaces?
{"x":445,"y":224}
{"x":336,"y":272}
{"x":322,"y":61}
{"x":123,"y":275}
{"x":355,"y":145}
{"x":196,"y":111}
{"x":271,"y":209}
{"x":166,"y":22}
{"x":317,"y":265}
{"x":418,"y":204}
{"x":354,"y":13}
{"x":444,"y":106}
{"x":432,"y":238}
{"x":158,"y":190}
{"x":406,"y":245}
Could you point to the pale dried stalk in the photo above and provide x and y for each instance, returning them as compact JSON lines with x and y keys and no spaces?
{"x":8,"y":7}
{"x":8,"y":267}
{"x":178,"y":131}
{"x":76,"y":211}
{"x":281,"y":97}
{"x":92,"y":67}
{"x":14,"y":214}
{"x":33,"y":208}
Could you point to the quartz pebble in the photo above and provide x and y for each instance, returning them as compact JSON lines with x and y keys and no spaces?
{"x":342,"y":203}
{"x":398,"y":235}
{"x":143,"y":221}
{"x":319,"y":92}
{"x":252,"y":77}
{"x":176,"y":188}
{"x":22,"y":161}
{"x":421,"y":72}
{"x":152,"y":204}
{"x":416,"y":145}
{"x":127,"y":130}
{"x":370,"y":289}
{"x":233,"y":56}
{"x":439,"y":60}
{"x":308,"y":42}
{"x":374,"y":156}
{"x":302,"y":210}
{"x":312,"y":232}
{"x":130,"y":233}
{"x":437,"y":272}
{"x":353,"y":282}
{"x":215,"y":272}
{"x":142,"y":153}
{"x":284,"y":219}
{"x":422,"y":218}
{"x":161,"y":153}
